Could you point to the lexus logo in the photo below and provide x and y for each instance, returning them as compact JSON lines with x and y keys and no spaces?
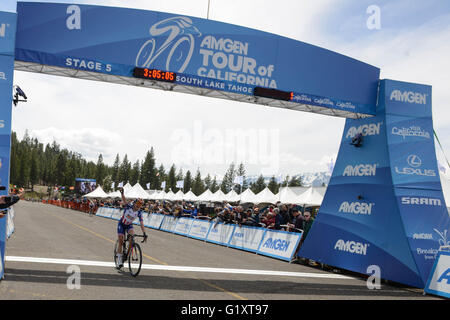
{"x":414,"y":161}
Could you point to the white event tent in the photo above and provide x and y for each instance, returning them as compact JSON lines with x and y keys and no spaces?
{"x":232,"y":196}
{"x":265,"y":196}
{"x":218,"y":196}
{"x":97,"y":193}
{"x":136,"y":192}
{"x":190,"y":196}
{"x":247,"y":196}
{"x":310,"y":198}
{"x":205,"y":196}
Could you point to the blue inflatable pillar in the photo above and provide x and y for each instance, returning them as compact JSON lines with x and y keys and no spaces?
{"x":384,"y":204}
{"x":7,"y":47}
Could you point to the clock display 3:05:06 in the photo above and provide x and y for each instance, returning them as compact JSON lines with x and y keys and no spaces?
{"x":154,"y":74}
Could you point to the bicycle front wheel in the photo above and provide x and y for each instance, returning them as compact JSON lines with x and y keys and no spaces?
{"x":135,"y":259}
{"x":116,"y":246}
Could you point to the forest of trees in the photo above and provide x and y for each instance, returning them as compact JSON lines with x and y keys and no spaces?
{"x":32,"y":164}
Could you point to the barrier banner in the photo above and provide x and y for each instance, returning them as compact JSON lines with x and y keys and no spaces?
{"x":168,"y":223}
{"x":246,"y":238}
{"x":155,"y":220}
{"x":3,"y":221}
{"x":279,"y":244}
{"x":439,"y":280}
{"x":203,"y":53}
{"x":183,"y":225}
{"x":220,"y":233}
{"x":199,"y":229}
{"x":8,"y":26}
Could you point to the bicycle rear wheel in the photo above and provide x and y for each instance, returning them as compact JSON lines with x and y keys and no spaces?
{"x":135,"y":259}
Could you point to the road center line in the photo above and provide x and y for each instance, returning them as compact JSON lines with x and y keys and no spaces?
{"x":177,"y":268}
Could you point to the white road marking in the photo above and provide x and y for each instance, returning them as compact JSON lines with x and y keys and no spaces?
{"x":178,"y":268}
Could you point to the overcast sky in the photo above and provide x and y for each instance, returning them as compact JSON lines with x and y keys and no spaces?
{"x":412,"y":44}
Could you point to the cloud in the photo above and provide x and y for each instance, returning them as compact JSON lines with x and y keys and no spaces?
{"x":90,"y":142}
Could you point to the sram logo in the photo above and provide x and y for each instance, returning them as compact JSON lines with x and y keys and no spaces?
{"x":421,"y":201}
{"x":360,"y":170}
{"x":351,"y":246}
{"x":408,"y":96}
{"x":370,"y":129}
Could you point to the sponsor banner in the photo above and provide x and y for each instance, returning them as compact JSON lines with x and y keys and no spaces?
{"x":220,"y":233}
{"x":3,"y":222}
{"x":168,"y":223}
{"x":116,"y":214}
{"x":154,"y":220}
{"x":7,"y":33}
{"x":426,"y":222}
{"x":414,"y":165}
{"x":183,"y":225}
{"x":409,"y":130}
{"x":279,"y":244}
{"x":202,"y":52}
{"x":199,"y":229}
{"x":406,"y":99}
{"x":246,"y":238}
{"x":439,"y":281}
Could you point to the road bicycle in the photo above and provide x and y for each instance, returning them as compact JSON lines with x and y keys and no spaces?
{"x":132,"y":252}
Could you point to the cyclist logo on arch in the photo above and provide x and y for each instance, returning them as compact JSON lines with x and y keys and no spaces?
{"x":178,"y":46}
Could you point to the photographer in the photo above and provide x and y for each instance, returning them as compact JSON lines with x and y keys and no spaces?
{"x":9,"y":200}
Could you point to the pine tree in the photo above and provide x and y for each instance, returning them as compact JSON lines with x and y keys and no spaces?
{"x":214,"y":185}
{"x":295,"y":182}
{"x":100,"y":171}
{"x":273,"y":185}
{"x":241,"y":172}
{"x":187,"y":182}
{"x":208,"y":181}
{"x":227,"y":182}
{"x":259,"y":185}
{"x":171,"y":183}
{"x":198,"y":187}
{"x":134,"y":173}
{"x":115,"y":170}
{"x":125,"y":170}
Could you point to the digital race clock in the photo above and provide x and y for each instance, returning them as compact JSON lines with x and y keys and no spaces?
{"x":154,"y":74}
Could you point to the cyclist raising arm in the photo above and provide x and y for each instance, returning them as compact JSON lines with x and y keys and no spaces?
{"x":131,"y":212}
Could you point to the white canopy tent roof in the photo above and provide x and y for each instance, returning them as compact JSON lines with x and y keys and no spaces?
{"x":218,"y":196}
{"x":247,"y":196}
{"x":169,"y":196}
{"x":178,"y":196}
{"x":115,"y":194}
{"x":136,"y":192}
{"x":266,"y":196}
{"x":158,"y":195}
{"x":310,"y":198}
{"x":97,"y":193}
{"x":205,"y":196}
{"x":190,"y":196}
{"x":287,"y":195}
{"x":232,"y":196}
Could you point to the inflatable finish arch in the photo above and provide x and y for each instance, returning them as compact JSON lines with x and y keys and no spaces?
{"x":384,"y":205}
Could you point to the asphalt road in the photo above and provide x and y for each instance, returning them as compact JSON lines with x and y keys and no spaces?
{"x":52,"y":246}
